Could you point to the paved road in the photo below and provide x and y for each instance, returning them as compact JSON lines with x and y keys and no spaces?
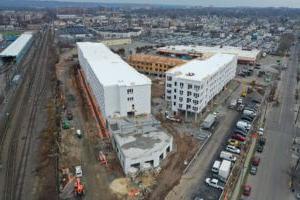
{"x":192,"y":183}
{"x":272,"y":179}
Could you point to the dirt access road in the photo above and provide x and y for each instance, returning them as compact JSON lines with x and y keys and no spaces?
{"x":28,"y":170}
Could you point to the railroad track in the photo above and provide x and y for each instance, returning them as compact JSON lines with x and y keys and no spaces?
{"x":30,"y":128}
{"x":32,"y":92}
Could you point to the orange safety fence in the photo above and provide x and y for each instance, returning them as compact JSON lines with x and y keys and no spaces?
{"x":101,"y":125}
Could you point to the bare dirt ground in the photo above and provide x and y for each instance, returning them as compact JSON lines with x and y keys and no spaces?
{"x":74,"y":151}
{"x":185,"y":146}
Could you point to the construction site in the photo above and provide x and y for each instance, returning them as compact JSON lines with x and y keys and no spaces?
{"x":81,"y":123}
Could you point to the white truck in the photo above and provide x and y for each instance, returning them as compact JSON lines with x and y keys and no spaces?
{"x":224,"y":170}
{"x":227,"y":156}
{"x":216,"y":166}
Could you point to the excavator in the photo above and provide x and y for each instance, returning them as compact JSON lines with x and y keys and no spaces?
{"x":78,"y":188}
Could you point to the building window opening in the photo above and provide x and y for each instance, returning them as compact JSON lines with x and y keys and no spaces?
{"x":168,"y":149}
{"x":161,"y":156}
{"x":136,"y":165}
{"x":151,"y":162}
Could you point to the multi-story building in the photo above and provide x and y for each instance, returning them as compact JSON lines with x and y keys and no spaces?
{"x":122,"y":93}
{"x":118,"y":88}
{"x":153,"y":65}
{"x":244,"y":56}
{"x":191,"y":86}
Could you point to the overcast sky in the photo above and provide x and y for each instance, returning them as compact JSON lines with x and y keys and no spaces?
{"x":221,"y":3}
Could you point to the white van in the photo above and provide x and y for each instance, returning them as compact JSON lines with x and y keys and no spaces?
{"x":216,"y":166}
{"x":227,"y":156}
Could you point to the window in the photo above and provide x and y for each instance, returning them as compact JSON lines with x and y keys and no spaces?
{"x":196,"y":95}
{"x":196,"y":102}
{"x":195,"y":108}
{"x":175,"y":90}
{"x":175,"y":83}
{"x":169,"y":85}
{"x":129,"y":91}
{"x":180,"y":99}
{"x":197,"y":87}
{"x":181,"y":85}
{"x":188,"y":100}
{"x":190,"y":86}
{"x":181,"y":92}
{"x":189,"y":93}
{"x":180,"y":105}
{"x":168,"y":97}
{"x":169,"y":91}
{"x":169,"y":78}
{"x":174,"y":103}
{"x":174,"y":96}
{"x":130,"y":99}
{"x":188,"y":106}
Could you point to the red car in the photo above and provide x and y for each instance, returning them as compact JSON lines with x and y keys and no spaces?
{"x":255,"y":161}
{"x":247,"y":190}
{"x":239,"y":137}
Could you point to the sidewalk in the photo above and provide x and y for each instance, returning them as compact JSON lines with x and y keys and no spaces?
{"x":239,"y":184}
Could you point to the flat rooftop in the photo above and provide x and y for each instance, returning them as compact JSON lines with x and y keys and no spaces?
{"x":16,"y":47}
{"x":200,"y":69}
{"x":184,"y":49}
{"x":136,"y":145}
{"x":139,"y":137}
{"x":109,"y":67}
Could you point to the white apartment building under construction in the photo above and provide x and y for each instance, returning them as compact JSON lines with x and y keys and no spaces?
{"x":191,"y":86}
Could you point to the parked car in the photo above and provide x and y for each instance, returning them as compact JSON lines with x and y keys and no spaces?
{"x":233,"y":149}
{"x":212,"y":182}
{"x":250,"y":113}
{"x":247,"y":190}
{"x":259,"y":148}
{"x":260,"y":131}
{"x":239,"y":100}
{"x":78,"y":171}
{"x":233,"y":104}
{"x":255,"y":161}
{"x":262,"y":141}
{"x":243,"y":125}
{"x":233,"y":142}
{"x":253,"y":170}
{"x":247,"y":118}
{"x":239,"y":131}
{"x":239,"y":137}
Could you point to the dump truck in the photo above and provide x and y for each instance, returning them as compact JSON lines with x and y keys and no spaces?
{"x":224,"y":170}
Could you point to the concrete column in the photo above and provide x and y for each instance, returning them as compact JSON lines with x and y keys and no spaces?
{"x":156,"y":161}
{"x":186,"y":115}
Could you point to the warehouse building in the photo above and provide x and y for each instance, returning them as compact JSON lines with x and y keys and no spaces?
{"x":16,"y":50}
{"x":153,"y":65}
{"x":191,"y":86}
{"x":118,"y":88}
{"x":140,"y":143}
{"x":244,"y":56}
